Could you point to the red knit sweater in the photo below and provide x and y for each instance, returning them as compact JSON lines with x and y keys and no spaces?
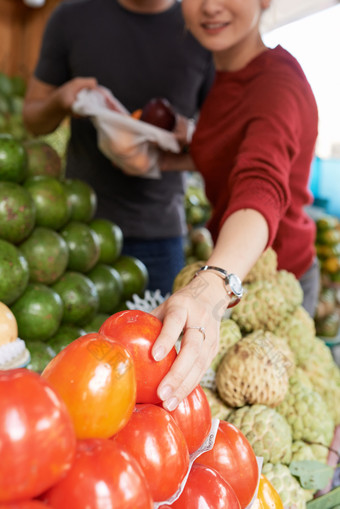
{"x":254,"y":145}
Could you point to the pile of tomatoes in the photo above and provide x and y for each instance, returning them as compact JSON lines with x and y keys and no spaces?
{"x":91,"y":433}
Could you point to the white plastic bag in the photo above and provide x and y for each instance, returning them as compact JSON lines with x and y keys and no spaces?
{"x":130,"y":144}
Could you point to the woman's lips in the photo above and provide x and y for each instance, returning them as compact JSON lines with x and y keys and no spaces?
{"x":214,"y":27}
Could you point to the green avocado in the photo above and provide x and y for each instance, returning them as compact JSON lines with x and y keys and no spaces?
{"x":83,"y":246}
{"x":17,"y":212}
{"x":50,"y":200}
{"x":82,"y":200}
{"x":38,"y":312}
{"x":14,"y":272}
{"x":47,"y":255}
{"x":80,"y":297}
{"x":41,"y":354}
{"x":13,"y":159}
{"x":65,"y":335}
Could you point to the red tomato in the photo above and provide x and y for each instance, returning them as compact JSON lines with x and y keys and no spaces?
{"x":154,"y":439}
{"x":103,"y":474}
{"x":206,"y":488}
{"x":96,"y":378}
{"x":267,"y":496}
{"x":233,"y":457}
{"x":37,"y":439}
{"x":27,"y":504}
{"x":138,"y":331}
{"x":193,"y":416}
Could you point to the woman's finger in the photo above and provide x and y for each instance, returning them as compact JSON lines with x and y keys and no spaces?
{"x":173,"y":325}
{"x":193,"y":360}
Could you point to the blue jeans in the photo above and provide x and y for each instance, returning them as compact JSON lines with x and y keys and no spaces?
{"x":164,"y":258}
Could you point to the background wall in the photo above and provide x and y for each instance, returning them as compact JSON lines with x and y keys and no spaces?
{"x":21,"y":29}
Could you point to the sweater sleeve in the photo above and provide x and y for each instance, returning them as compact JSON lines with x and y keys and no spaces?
{"x":260,"y":177}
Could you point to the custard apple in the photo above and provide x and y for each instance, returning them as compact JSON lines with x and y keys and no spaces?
{"x":265,"y":267}
{"x":324,"y":375}
{"x":268,"y":432}
{"x":307,"y":414}
{"x":255,"y":370}
{"x":230,"y":334}
{"x":290,"y":288}
{"x":288,"y":487}
{"x":186,"y":275}
{"x":299,"y":330}
{"x":263,"y":306}
{"x":218,"y":409}
{"x":302,"y":451}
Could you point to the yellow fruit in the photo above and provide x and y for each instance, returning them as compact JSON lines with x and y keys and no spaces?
{"x":8,"y":325}
{"x":267,"y":496}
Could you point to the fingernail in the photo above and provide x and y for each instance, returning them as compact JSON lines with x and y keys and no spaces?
{"x":165,"y":392}
{"x":171,"y":404}
{"x":159,"y":353}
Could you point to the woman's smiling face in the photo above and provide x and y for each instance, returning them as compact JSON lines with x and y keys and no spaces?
{"x":225,"y":27}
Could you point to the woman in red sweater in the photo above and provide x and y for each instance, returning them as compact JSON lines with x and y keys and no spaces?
{"x":254,"y":145}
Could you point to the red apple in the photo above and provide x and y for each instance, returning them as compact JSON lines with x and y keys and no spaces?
{"x":160,"y":113}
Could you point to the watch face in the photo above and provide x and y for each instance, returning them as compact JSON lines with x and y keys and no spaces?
{"x":235,"y":285}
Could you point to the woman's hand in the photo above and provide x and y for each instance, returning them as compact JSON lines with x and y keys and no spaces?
{"x":195,"y":310}
{"x":184,"y":130}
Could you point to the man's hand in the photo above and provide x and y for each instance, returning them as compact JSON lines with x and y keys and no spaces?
{"x":66,"y":94}
{"x":45,"y":105}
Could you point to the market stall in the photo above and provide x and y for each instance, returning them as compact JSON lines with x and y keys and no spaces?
{"x":81,"y":423}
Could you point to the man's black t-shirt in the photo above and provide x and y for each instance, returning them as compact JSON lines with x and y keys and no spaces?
{"x":138,"y":57}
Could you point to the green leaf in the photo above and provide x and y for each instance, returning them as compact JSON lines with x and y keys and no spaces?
{"x":313,"y":475}
{"x":329,"y":501}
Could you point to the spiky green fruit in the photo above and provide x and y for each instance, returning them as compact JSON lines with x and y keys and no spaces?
{"x":267,"y":431}
{"x":287,"y":486}
{"x":230,"y":334}
{"x":264,"y":269}
{"x":255,"y":370}
{"x":307,"y":414}
{"x":324,"y":375}
{"x":303,"y":451}
{"x":299,"y":330}
{"x":186,"y":275}
{"x":218,"y":408}
{"x":263,"y":306}
{"x":290,"y":288}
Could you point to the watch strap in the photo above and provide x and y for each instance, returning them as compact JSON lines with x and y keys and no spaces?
{"x":234,"y":297}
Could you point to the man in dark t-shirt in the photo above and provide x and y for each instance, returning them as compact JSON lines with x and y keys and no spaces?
{"x":139,"y":49}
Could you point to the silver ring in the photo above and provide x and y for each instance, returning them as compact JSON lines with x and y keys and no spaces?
{"x":201,"y":329}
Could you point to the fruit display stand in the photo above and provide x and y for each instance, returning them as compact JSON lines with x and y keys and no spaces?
{"x":273,"y":382}
{"x":327,"y":318}
{"x":62,"y":271}
{"x":102,"y":434}
{"x":102,"y":427}
{"x":276,"y":381}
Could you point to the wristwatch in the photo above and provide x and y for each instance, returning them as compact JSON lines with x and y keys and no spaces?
{"x":232,"y":283}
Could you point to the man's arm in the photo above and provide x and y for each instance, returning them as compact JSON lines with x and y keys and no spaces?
{"x":45,"y":105}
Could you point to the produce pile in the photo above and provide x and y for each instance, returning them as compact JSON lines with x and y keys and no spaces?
{"x":12,"y":92}
{"x":61,"y":270}
{"x":327,"y":319}
{"x":273,"y":377}
{"x":97,"y":436}
{"x":197,"y":206}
